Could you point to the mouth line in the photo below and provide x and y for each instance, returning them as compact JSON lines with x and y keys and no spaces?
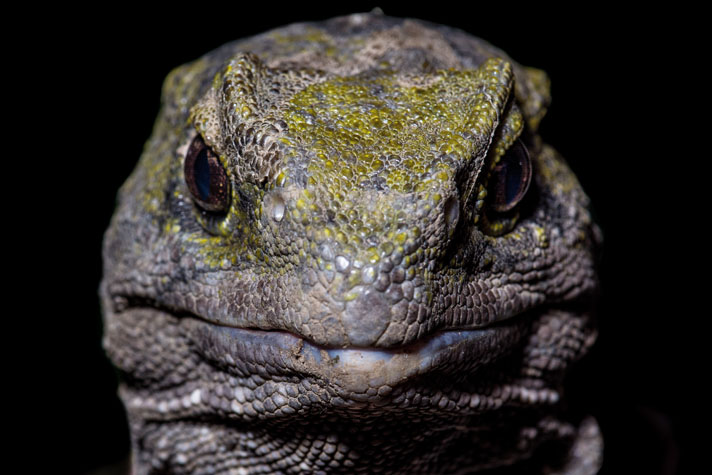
{"x":349,"y":356}
{"x":348,"y":373}
{"x":352,"y":367}
{"x":357,"y":369}
{"x":435,"y":340}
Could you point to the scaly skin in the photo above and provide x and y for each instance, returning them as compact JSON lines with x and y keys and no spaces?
{"x":359,"y":306}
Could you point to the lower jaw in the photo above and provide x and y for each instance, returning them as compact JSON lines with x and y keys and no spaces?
{"x":424,"y":406}
{"x":244,"y":375}
{"x":452,"y":398}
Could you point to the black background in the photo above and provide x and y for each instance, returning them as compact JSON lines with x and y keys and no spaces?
{"x":617,"y":84}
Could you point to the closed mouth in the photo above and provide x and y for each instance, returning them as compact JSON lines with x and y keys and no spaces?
{"x":357,"y":368}
{"x":417,"y":354}
{"x":352,"y":368}
{"x":296,"y":367}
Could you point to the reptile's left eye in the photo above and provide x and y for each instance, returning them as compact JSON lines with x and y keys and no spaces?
{"x":510,"y":178}
{"x":206,"y":178}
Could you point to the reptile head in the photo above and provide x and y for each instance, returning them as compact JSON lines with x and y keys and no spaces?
{"x":328,"y":228}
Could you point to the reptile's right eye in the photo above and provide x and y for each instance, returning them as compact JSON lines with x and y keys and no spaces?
{"x":206,"y":178}
{"x":510,"y":179}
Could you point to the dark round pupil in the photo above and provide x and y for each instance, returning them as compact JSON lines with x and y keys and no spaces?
{"x":206,"y":178}
{"x":201,"y":173}
{"x":510,"y":178}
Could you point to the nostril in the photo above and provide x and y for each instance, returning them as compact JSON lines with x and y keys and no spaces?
{"x":452,"y":213}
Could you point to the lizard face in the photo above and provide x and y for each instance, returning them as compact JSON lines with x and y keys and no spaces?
{"x":381,"y":237}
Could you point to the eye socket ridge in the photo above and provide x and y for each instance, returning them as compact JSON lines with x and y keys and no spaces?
{"x":510,"y":179}
{"x":206,"y":178}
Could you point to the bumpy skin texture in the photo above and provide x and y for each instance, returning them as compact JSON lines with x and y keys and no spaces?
{"x":359,"y":306}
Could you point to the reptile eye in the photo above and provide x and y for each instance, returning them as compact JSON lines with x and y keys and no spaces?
{"x":206,"y":178}
{"x":510,"y":178}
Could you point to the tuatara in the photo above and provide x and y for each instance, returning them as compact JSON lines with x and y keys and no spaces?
{"x":346,"y":249}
